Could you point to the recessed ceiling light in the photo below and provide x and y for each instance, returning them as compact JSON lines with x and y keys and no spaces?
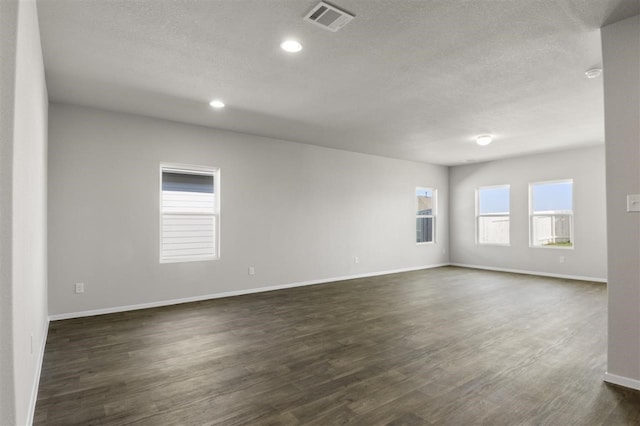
{"x":217,"y":103}
{"x":484,"y":140}
{"x":593,"y":72}
{"x":291,"y":46}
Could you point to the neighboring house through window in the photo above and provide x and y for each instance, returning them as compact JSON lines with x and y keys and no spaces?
{"x":425,"y":215}
{"x":189,"y":213}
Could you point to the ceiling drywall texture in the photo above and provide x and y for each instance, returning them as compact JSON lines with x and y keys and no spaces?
{"x":406,"y":79}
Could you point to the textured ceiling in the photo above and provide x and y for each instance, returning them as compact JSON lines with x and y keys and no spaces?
{"x":410,"y":79}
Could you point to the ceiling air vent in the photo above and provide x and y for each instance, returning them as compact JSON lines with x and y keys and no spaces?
{"x":328,"y":17}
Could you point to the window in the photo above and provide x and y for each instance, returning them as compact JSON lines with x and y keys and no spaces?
{"x":492,"y":215}
{"x":425,"y":215}
{"x":189,"y":213}
{"x":551,"y":205}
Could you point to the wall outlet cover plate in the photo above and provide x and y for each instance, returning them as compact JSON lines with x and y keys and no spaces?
{"x":633,"y":203}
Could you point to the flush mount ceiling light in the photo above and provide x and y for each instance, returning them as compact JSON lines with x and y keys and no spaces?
{"x":484,"y":140}
{"x":593,"y":72}
{"x":217,"y":103}
{"x":291,"y":46}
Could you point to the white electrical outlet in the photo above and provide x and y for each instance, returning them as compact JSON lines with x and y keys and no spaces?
{"x":356,"y":259}
{"x":252,"y":270}
{"x":79,"y":288}
{"x":561,"y":259}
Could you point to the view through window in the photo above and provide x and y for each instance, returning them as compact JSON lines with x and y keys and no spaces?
{"x":551,"y":221}
{"x":188,"y":213}
{"x":493,"y":219}
{"x":425,"y":215}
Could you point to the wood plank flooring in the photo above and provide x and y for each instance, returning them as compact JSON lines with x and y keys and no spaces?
{"x":447,"y":346}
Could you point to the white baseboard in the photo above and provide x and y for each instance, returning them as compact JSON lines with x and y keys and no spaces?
{"x":36,"y":380}
{"x":622,"y":381}
{"x":104,"y":311}
{"x":542,"y":274}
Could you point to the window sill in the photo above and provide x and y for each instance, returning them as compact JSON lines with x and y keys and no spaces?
{"x":552,"y":247}
{"x":189,"y":259}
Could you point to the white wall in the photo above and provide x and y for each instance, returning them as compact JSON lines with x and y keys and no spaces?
{"x":585,"y":166}
{"x":295,"y":212}
{"x":24,"y":207}
{"x":621,"y":57}
{"x":8,"y":35}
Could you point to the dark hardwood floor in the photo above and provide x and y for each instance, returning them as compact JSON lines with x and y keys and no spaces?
{"x":447,"y":346}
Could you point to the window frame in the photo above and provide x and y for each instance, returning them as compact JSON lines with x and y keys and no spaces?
{"x":571,"y":216}
{"x":479,"y":215}
{"x":194,"y":170}
{"x":434,"y":207}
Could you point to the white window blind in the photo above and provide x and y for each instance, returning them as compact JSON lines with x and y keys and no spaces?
{"x":189,"y":213}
